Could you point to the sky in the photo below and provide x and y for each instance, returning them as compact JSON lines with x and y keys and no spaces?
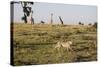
{"x":70,"y":14}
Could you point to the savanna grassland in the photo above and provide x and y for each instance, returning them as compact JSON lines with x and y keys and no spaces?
{"x":34,"y":44}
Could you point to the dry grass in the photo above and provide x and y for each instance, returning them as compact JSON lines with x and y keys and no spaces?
{"x":34,"y":44}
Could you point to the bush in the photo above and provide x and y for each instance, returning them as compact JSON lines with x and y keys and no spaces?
{"x":95,"y":25}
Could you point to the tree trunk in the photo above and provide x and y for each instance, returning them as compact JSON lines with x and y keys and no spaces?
{"x":61,"y":20}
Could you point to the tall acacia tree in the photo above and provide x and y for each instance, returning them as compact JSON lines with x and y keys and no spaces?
{"x":27,"y":9}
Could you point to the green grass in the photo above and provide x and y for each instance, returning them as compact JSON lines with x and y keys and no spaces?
{"x":34,"y":44}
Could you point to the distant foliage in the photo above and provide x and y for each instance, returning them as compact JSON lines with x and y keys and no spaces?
{"x":80,"y":23}
{"x":42,"y":22}
{"x":95,"y":25}
{"x":89,"y":24}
